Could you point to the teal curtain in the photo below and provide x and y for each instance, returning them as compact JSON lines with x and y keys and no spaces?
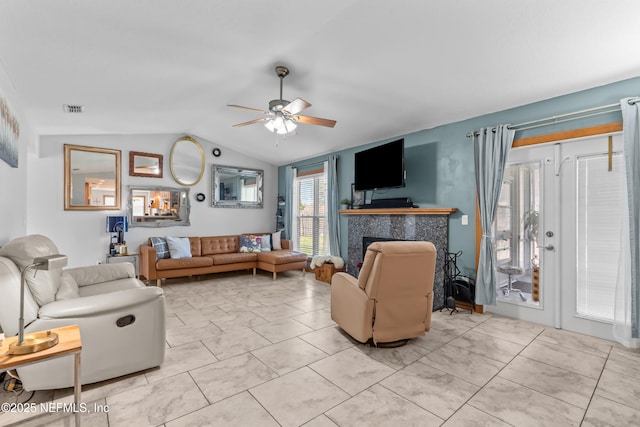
{"x":333,"y":215}
{"x":289,"y":175}
{"x":627,"y":316}
{"x":491,"y":149}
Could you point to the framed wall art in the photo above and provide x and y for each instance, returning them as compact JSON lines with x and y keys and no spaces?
{"x":9,"y":133}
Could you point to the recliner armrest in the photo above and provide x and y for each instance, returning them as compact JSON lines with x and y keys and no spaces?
{"x":100,"y":273}
{"x":99,"y":304}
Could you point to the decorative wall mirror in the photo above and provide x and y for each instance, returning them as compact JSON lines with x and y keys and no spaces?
{"x":235,"y":187}
{"x":145,"y":164}
{"x":91,"y":178}
{"x":187,"y":161}
{"x":158,"y":206}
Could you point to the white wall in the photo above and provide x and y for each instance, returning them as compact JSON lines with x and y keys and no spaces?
{"x":81,"y":234}
{"x":13,"y":181}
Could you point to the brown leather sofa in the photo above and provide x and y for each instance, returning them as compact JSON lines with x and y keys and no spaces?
{"x":216,"y":254}
{"x":392,"y":298}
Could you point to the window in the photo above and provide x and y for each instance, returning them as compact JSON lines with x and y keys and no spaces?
{"x":601,"y":199}
{"x":310,"y":217}
{"x":516,"y":224}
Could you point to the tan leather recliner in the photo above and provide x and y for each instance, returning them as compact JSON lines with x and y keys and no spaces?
{"x":392,"y":299}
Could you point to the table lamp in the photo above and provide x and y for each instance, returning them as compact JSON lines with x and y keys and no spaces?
{"x":36,"y":341}
{"x":118,"y":224}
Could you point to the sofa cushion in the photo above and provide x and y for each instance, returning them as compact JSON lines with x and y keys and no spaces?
{"x":265,"y":243}
{"x":219,"y":244}
{"x":161,"y":247}
{"x":179,"y":263}
{"x":44,"y":285}
{"x":221,"y":259}
{"x":179,"y":247}
{"x":108,"y":287}
{"x":68,"y":287}
{"x":281,"y":257}
{"x":22,"y":251}
{"x":250,"y":243}
{"x":276,"y":240}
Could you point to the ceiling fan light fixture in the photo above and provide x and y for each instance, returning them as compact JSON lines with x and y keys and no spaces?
{"x":281,"y":125}
{"x":282,"y":115}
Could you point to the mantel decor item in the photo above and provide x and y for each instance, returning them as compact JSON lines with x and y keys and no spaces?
{"x":36,"y":341}
{"x":357,"y":197}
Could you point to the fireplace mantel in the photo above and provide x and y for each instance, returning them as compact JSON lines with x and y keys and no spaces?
{"x":399,"y":211}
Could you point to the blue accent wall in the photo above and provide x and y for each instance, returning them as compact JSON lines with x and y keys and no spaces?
{"x":439,"y":161}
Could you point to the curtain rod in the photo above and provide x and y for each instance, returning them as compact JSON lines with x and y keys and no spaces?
{"x":595,"y":111}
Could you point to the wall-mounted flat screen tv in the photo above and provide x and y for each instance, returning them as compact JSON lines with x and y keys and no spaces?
{"x":380,"y":167}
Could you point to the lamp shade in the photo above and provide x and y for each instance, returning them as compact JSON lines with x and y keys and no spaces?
{"x":116,"y":224}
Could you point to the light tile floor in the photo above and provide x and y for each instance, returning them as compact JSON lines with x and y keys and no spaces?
{"x":249,"y":351}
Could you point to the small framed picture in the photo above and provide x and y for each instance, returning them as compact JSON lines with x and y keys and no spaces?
{"x":357,"y":197}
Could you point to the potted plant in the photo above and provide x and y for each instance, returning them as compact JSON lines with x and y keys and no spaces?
{"x":344,"y":203}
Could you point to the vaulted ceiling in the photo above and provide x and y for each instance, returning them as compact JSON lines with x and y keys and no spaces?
{"x":380,"y":68}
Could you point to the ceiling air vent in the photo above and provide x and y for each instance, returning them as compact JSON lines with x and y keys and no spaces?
{"x":68,"y":108}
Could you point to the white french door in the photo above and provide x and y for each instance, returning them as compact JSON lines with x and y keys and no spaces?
{"x":558,"y":231}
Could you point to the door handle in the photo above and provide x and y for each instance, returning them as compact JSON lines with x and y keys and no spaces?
{"x":548,"y":247}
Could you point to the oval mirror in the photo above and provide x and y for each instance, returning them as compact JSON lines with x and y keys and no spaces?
{"x":187,"y":161}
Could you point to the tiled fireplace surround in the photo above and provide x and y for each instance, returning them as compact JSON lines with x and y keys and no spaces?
{"x":402,"y":226}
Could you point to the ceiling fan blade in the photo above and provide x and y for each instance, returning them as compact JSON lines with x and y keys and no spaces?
{"x":247,"y":108}
{"x":315,"y":121}
{"x":250,"y":122}
{"x":295,"y":106}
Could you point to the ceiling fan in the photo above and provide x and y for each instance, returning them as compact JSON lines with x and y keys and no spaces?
{"x":282,"y":116}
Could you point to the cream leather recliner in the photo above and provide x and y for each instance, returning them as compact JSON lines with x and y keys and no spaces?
{"x":392,"y":299}
{"x":95,"y":298}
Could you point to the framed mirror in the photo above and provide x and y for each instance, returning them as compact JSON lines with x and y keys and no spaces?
{"x":91,"y":178}
{"x":145,"y":164}
{"x":157,"y":206}
{"x":235,"y":187}
{"x":187,"y":161}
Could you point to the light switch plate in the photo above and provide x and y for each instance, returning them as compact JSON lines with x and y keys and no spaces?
{"x":465,"y":219}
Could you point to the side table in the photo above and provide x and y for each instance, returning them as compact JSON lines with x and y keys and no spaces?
{"x":325,"y":272}
{"x":69,"y":342}
{"x":133,"y":255}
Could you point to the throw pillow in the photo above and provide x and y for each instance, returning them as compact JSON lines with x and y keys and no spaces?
{"x":68,"y":287}
{"x":276,"y":240}
{"x":265,"y":245}
{"x":250,"y":243}
{"x":179,"y":247}
{"x":160,"y":244}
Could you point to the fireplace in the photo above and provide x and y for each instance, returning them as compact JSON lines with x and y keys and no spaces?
{"x":431,"y":225}
{"x":366,"y":241}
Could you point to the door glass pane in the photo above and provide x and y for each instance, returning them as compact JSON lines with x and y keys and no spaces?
{"x":598,"y":221}
{"x":516,"y":233}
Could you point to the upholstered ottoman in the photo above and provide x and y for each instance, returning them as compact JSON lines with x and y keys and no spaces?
{"x":282,"y":260}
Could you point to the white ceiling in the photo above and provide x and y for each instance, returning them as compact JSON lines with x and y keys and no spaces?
{"x":380,"y":68}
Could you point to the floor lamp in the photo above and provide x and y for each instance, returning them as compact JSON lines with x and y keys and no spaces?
{"x":36,"y":341}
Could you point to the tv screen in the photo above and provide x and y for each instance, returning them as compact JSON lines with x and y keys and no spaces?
{"x":380,"y":167}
